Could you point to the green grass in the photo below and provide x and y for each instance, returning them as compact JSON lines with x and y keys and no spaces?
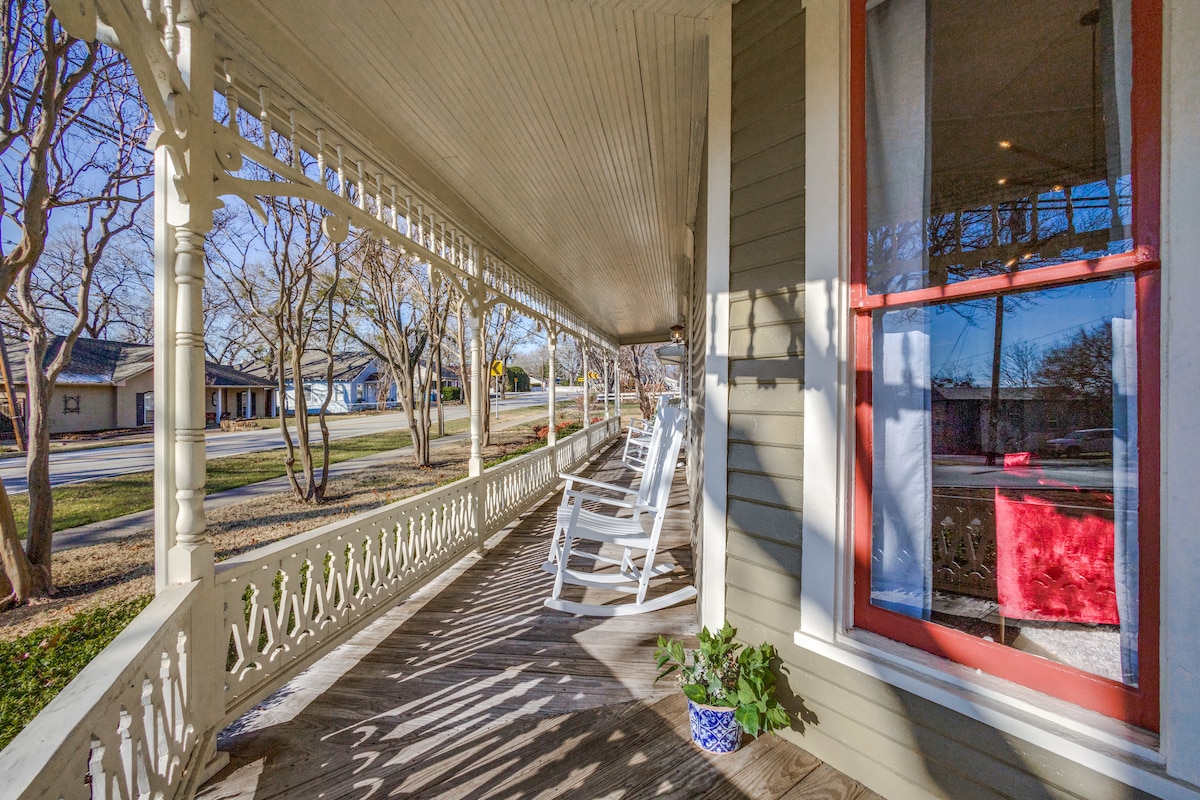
{"x":107,"y":498}
{"x":35,"y":668}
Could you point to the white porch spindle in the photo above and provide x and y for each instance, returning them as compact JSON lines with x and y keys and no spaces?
{"x":552,"y":384}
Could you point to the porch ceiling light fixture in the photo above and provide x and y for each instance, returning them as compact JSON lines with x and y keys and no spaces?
{"x":677,"y":334}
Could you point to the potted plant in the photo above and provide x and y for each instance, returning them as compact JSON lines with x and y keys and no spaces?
{"x":729,"y":686}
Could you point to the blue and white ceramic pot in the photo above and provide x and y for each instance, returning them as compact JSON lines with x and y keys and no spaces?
{"x":714,"y":728}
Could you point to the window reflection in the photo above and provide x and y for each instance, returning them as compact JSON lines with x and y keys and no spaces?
{"x":1004,"y":479}
{"x":984,"y":160}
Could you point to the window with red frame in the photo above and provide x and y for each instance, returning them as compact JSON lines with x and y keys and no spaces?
{"x":1005,"y":301}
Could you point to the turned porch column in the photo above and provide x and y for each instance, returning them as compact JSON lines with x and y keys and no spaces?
{"x":183,"y":206}
{"x":552,"y":384}
{"x":617,"y":385}
{"x":587,"y":403}
{"x":607,"y":390}
{"x":475,"y":372}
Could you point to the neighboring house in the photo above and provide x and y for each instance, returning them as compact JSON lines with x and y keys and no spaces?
{"x":357,"y":383}
{"x":236,"y":394}
{"x":110,"y":385}
{"x":1029,"y":417}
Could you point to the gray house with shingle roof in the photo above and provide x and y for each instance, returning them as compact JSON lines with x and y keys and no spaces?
{"x":357,"y":382}
{"x":110,"y":385}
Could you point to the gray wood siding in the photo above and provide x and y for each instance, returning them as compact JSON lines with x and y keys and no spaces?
{"x":766,"y":263}
{"x":697,"y":347}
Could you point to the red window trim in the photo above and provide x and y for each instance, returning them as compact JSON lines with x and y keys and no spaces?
{"x":1138,"y":705}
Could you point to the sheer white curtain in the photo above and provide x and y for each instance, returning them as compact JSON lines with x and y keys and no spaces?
{"x":898,"y":205}
{"x":898,"y":144}
{"x":902,"y":480}
{"x":1125,"y":489}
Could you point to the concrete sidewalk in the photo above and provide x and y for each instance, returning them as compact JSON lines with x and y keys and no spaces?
{"x":119,"y":527}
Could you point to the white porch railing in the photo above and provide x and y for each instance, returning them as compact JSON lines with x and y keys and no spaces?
{"x":126,"y":727}
{"x":123,"y":727}
{"x":282,"y":603}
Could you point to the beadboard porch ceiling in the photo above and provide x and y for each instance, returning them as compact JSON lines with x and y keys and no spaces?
{"x":567,"y":134}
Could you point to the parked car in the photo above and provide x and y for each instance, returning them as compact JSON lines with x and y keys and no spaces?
{"x":1085,"y":442}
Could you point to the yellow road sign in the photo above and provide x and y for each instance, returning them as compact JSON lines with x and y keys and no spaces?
{"x":497,"y":369}
{"x":594,"y":376}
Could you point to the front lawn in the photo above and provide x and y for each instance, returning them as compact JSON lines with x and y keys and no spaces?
{"x":35,"y":667}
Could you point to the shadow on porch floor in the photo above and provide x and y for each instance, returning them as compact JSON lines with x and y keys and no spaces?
{"x":473,"y":690}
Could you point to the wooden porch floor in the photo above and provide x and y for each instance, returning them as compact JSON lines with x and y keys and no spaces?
{"x":473,"y":689}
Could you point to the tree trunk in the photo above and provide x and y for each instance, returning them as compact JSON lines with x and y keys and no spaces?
{"x":20,"y":580}
{"x":303,"y":493}
{"x":6,"y":376}
{"x":437,"y":364}
{"x":37,"y":460}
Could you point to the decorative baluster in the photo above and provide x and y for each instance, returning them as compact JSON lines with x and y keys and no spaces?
{"x":362,"y":186}
{"x":321,"y":156}
{"x":265,"y":118}
{"x":231,"y":97}
{"x":292,"y":141}
{"x":379,"y":196}
{"x":420,"y":229}
{"x":341,"y":172}
{"x":408,"y":226}
{"x":395,"y":210}
{"x":170,"y":30}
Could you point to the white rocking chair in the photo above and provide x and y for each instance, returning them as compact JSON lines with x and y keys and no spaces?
{"x":636,"y":535}
{"x":638,"y":436}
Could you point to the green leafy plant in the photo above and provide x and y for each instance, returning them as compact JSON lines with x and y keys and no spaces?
{"x":724,"y":673}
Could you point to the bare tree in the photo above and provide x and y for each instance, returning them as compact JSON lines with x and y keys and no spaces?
{"x":287,"y":286}
{"x":1020,"y":364}
{"x":498,"y":326}
{"x":405,"y":304}
{"x":71,"y":141}
{"x":641,"y":363}
{"x":569,"y":358}
{"x":117,"y":307}
{"x":1081,"y":365}
{"x":229,"y":336}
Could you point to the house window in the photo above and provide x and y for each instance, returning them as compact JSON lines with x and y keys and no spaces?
{"x":1005,"y":302}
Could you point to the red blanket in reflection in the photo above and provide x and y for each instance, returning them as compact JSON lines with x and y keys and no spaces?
{"x":1054,"y":557}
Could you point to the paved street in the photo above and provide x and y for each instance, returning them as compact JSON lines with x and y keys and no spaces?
{"x":73,"y":466}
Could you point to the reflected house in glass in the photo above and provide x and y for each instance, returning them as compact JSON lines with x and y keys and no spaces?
{"x":1032,"y":420}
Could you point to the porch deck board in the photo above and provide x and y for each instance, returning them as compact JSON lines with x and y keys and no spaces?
{"x":473,"y":689}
